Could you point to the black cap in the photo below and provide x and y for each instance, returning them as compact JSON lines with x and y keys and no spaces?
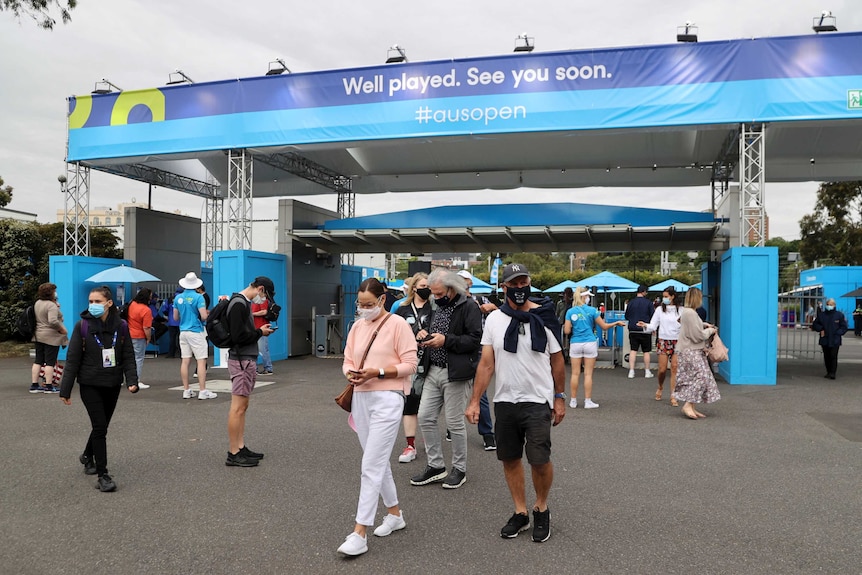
{"x":511,"y":271}
{"x":266,"y":283}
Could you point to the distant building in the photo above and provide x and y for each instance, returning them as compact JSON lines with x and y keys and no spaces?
{"x":7,"y":214}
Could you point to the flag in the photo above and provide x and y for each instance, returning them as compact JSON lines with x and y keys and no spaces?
{"x":495,"y":270}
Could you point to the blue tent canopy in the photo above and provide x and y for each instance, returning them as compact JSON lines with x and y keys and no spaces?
{"x":607,"y":282}
{"x":676,"y":285}
{"x":561,"y":287}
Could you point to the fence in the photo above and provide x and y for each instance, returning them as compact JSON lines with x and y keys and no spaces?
{"x":796,"y":312}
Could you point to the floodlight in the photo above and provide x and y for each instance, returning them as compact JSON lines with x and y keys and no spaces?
{"x":687,"y":33}
{"x":396,"y":55}
{"x":524,"y":43}
{"x":824,"y":23}
{"x":105,"y":87}
{"x":179,"y":77}
{"x":277,"y":67}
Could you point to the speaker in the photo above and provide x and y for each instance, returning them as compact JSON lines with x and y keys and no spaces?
{"x":417,"y":267}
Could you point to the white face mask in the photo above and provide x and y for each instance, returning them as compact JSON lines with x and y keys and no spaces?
{"x":368,"y":314}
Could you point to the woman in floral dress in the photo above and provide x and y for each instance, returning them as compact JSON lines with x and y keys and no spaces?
{"x":694,"y":380}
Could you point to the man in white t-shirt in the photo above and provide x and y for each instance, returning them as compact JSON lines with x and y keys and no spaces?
{"x":530,"y":372}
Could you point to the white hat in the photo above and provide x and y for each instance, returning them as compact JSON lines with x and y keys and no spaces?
{"x":587,"y":293}
{"x":465,"y":274}
{"x":191,"y":281}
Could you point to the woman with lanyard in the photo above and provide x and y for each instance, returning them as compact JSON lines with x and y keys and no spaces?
{"x":665,"y":320}
{"x":416,"y":309}
{"x":100,"y":355}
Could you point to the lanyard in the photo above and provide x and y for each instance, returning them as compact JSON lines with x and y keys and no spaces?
{"x":99,"y":341}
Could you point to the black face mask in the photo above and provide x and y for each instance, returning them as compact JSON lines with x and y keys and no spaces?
{"x":424,"y":293}
{"x":443,"y":301}
{"x":518,"y":296}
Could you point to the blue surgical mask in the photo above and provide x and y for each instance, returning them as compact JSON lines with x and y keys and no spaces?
{"x":830,"y":307}
{"x":665,"y":301}
{"x":96,"y":309}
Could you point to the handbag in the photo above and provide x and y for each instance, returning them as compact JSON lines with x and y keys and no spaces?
{"x":716,"y":351}
{"x":345,"y":398}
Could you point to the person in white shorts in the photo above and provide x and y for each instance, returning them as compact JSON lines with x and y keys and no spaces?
{"x":191,"y":311}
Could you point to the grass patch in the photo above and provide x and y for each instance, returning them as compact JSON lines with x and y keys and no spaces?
{"x":14,"y":349}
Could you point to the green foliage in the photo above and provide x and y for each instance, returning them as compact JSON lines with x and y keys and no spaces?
{"x":5,"y":194}
{"x":26,"y":247}
{"x":41,"y":11}
{"x":788,"y":272}
{"x":833,"y":233}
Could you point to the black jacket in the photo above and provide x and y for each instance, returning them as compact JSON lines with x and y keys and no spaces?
{"x":833,"y":325}
{"x":84,"y":358}
{"x":463,"y":340}
{"x":242,"y":330}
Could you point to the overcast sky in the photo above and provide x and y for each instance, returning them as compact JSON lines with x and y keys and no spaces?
{"x":135,"y":44}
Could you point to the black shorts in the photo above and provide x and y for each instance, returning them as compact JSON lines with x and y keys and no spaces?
{"x":46,"y":354}
{"x":640,"y":341}
{"x":520,"y":424}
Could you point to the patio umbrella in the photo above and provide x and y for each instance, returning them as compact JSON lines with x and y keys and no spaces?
{"x":607,"y":282}
{"x":855,"y":293}
{"x":122,"y":274}
{"x":561,"y":287}
{"x":676,"y":285}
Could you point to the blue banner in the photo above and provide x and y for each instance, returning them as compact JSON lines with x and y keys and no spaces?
{"x":763,"y":80}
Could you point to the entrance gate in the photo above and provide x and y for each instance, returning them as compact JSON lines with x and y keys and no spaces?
{"x":796,"y":311}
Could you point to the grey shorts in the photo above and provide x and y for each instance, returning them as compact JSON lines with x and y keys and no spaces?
{"x":243,"y":375}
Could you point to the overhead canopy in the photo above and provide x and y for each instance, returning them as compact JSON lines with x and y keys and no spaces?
{"x":561,"y":287}
{"x":678,"y":286}
{"x":855,"y":293}
{"x":608,"y":282}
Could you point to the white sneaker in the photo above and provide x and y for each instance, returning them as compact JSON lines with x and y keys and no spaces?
{"x":590,"y":404}
{"x":631,"y":374}
{"x":573,"y":402}
{"x":355,"y":544}
{"x":207,"y":394}
{"x":195,"y":374}
{"x":142,"y":385}
{"x":648,"y":374}
{"x":390,"y":523}
{"x":408,"y":455}
{"x":188,"y":393}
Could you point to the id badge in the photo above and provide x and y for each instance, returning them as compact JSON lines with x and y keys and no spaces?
{"x":109,"y":358}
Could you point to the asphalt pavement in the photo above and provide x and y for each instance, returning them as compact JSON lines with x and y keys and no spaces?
{"x":769,"y":482}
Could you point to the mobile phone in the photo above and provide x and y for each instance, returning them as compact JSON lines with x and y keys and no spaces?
{"x":428,"y":337}
{"x":356,"y":371}
{"x":273,"y":327}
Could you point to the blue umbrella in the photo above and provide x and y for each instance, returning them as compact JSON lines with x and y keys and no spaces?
{"x":122,"y":274}
{"x":561,"y":287}
{"x":608,"y":281}
{"x":676,"y":285}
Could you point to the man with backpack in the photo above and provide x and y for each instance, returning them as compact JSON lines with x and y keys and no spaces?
{"x":242,"y":365}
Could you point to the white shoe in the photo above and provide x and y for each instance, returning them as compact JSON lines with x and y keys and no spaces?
{"x":207,"y":394}
{"x":573,"y":402}
{"x":408,"y":455}
{"x":195,"y":374}
{"x":648,"y":374}
{"x":390,"y":523}
{"x":590,"y":404}
{"x":188,"y":393}
{"x":142,"y":385}
{"x":631,"y":374}
{"x":355,"y":544}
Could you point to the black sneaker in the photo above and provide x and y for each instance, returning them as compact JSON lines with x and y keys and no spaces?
{"x":89,"y":464}
{"x":105,"y":484}
{"x":448,"y":435}
{"x":490,"y":442}
{"x":239,"y":459}
{"x":517,"y":523}
{"x":455,"y":479}
{"x":430,"y":475}
{"x":249,"y":453}
{"x":541,"y":525}
{"x":35,"y":388}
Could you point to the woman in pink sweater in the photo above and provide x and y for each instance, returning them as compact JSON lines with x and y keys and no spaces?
{"x":380,"y":368}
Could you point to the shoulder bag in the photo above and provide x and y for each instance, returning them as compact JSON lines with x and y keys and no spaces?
{"x":345,"y":398}
{"x":716,"y":351}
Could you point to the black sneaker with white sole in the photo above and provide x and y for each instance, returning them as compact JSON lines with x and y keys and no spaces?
{"x":455,"y":479}
{"x":430,"y":475}
{"x":517,"y":523}
{"x":490,"y":442}
{"x":541,"y":525}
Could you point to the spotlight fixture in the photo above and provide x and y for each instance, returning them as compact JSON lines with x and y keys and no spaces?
{"x":687,"y":33}
{"x":654,"y":166}
{"x":524,"y":43}
{"x":179,"y":77}
{"x":105,"y":87}
{"x":824,"y":23}
{"x":396,"y":55}
{"x":277,"y":67}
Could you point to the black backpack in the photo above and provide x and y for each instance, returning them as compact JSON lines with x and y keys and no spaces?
{"x":218,"y":329}
{"x":26,"y":322}
{"x":273,"y":311}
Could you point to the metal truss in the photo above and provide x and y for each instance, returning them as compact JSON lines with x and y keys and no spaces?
{"x":722,"y":168}
{"x":240,"y":175}
{"x":161,"y":178}
{"x":76,"y":228}
{"x":214,"y":228}
{"x":347,"y":209}
{"x":752,"y":157}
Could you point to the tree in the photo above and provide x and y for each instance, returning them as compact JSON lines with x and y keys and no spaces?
{"x":41,"y":11}
{"x":833,"y":233}
{"x":5,"y":194}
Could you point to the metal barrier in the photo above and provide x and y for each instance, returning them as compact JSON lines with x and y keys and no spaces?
{"x":796,"y":312}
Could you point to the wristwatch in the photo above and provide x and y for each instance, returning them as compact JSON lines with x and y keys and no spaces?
{"x":382,"y":374}
{"x":559,"y":396}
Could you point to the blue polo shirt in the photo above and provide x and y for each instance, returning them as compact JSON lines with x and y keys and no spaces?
{"x":583,"y":320}
{"x":188,"y":303}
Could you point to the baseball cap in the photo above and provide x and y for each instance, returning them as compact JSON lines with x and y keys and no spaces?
{"x":266,"y":283}
{"x":511,"y":271}
{"x":465,"y":274}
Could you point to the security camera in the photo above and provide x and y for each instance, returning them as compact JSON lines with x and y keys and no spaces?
{"x":61,"y":178}
{"x":812,"y":161}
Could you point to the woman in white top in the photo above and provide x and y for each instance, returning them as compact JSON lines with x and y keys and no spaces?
{"x":666,"y":321}
{"x":695,"y":382}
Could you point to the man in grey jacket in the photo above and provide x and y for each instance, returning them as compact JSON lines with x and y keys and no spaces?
{"x":242,"y":366}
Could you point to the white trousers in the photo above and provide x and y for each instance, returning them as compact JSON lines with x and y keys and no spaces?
{"x":377,"y":416}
